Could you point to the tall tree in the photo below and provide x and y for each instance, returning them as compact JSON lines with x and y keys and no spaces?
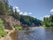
{"x":6,"y":7}
{"x":1,"y":8}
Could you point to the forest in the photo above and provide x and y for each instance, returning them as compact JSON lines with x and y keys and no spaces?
{"x":10,"y":19}
{"x":6,"y":12}
{"x":48,"y":21}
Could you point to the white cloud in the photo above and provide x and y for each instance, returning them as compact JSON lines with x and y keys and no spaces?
{"x":41,"y":18}
{"x":17,"y":9}
{"x":46,"y":16}
{"x":21,"y":13}
{"x":25,"y":13}
{"x":51,"y":10}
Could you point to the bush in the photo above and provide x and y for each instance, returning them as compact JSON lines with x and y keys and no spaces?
{"x":2,"y":32}
{"x":18,"y":27}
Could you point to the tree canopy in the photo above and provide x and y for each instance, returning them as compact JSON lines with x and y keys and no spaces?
{"x":48,"y":21}
{"x":28,"y":20}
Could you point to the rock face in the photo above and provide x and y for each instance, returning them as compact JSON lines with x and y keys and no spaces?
{"x":10,"y":21}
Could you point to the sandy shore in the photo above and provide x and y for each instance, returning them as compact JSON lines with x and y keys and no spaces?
{"x":8,"y":36}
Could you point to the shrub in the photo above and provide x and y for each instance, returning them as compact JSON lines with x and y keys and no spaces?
{"x":2,"y":27}
{"x":18,"y":27}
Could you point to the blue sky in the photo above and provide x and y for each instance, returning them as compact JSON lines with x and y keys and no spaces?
{"x":35,"y":8}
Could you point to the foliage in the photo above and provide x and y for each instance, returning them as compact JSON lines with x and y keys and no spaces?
{"x":1,"y":25}
{"x":1,"y":8}
{"x":4,"y":8}
{"x":30,"y":20}
{"x":15,"y":14}
{"x":2,"y":32}
{"x":18,"y":27}
{"x":26,"y":20}
{"x":48,"y":21}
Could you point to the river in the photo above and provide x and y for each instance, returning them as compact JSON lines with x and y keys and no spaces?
{"x":38,"y":33}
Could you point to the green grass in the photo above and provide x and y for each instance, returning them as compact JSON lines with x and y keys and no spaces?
{"x":18,"y":27}
{"x":2,"y":27}
{"x":2,"y":33}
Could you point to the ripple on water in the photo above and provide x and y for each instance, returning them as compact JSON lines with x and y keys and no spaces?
{"x":37,"y":34}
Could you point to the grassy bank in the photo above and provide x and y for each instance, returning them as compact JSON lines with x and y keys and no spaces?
{"x":18,"y":27}
{"x":2,"y":32}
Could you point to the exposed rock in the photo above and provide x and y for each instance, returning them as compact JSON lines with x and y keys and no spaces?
{"x":9,"y":21}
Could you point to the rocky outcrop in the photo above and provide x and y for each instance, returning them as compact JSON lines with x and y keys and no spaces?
{"x":10,"y":21}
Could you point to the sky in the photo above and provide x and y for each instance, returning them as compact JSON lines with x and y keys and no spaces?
{"x":34,"y":8}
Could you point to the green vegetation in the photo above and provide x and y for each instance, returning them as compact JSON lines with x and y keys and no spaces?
{"x":1,"y":8}
{"x":30,"y":21}
{"x":4,"y":7}
{"x":7,"y":10}
{"x":2,"y":32}
{"x":26,"y":20}
{"x":48,"y":21}
{"x":18,"y":28}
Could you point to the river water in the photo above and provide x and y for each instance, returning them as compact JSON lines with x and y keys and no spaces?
{"x":35,"y":34}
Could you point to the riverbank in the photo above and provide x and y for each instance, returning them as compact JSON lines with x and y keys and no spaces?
{"x":9,"y":35}
{"x":12,"y":33}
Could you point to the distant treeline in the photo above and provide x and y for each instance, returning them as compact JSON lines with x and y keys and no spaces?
{"x":25,"y":20}
{"x":6,"y":9}
{"x":48,"y":21}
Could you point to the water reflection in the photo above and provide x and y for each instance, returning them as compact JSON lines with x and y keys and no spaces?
{"x":37,"y":34}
